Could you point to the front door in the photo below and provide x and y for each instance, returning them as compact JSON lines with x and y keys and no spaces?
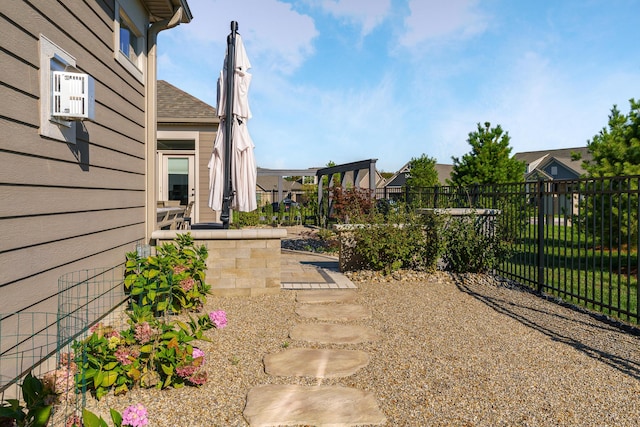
{"x":177,"y":178}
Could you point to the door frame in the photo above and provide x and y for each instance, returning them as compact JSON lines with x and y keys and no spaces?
{"x":163,"y":177}
{"x":182,"y":135}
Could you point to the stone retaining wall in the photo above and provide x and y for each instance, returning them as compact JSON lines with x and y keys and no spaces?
{"x":241,"y":262}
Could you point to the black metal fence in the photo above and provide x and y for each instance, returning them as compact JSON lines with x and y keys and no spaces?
{"x":575,"y":239}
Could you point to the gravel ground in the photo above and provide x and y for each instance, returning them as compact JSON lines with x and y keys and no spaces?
{"x":454,"y":350}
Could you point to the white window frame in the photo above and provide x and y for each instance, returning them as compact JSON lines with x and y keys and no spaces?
{"x":136,"y":22}
{"x":53,"y":58}
{"x":554,"y":170}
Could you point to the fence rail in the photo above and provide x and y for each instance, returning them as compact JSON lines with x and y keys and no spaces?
{"x":575,"y":239}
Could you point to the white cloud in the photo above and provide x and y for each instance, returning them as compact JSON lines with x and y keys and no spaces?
{"x":270,"y":29}
{"x":540,"y":103}
{"x":438,"y":19}
{"x":366,"y":13}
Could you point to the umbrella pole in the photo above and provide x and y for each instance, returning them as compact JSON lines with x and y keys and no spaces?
{"x":228,"y":193}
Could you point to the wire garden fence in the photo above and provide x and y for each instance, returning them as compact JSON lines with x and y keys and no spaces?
{"x":41,"y":343}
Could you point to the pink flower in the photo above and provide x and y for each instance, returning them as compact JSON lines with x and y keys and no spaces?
{"x":186,"y":371}
{"x":135,"y":416}
{"x":218,"y":318}
{"x":74,"y":421}
{"x":187,"y":284}
{"x":179,"y":269}
{"x":123,"y":355}
{"x":197,"y":353}
{"x":198,"y":378}
{"x":143,"y":332}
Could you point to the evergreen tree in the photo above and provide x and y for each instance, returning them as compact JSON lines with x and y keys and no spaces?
{"x":489,"y":161}
{"x":616,"y":150}
{"x":616,"y":153}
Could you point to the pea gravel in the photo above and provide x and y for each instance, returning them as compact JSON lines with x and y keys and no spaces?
{"x":453,"y":350}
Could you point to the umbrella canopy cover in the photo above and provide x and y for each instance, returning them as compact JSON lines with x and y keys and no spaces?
{"x":243,"y":166}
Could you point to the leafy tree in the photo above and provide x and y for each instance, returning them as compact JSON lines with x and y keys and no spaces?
{"x":422,"y":175}
{"x":423,"y":172}
{"x":490,"y":160}
{"x":616,"y":153}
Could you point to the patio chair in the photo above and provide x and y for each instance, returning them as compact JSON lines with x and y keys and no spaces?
{"x":186,"y":220}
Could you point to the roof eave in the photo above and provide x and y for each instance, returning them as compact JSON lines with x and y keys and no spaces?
{"x":164,"y":9}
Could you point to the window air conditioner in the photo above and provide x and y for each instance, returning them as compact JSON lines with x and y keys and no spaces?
{"x":73,"y":96}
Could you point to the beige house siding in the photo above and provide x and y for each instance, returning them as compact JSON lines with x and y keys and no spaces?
{"x":65,"y":207}
{"x":206,"y":148}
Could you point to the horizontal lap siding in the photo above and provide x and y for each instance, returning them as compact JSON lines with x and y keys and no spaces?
{"x":65,"y":207}
{"x":205,"y":148}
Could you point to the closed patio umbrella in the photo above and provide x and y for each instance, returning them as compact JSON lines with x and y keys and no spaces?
{"x":232,"y":167}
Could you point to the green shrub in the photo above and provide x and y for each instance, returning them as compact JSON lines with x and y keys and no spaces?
{"x":171,"y":280}
{"x":150,"y":353}
{"x":472,"y":246}
{"x":405,"y":241}
{"x":246,"y":219}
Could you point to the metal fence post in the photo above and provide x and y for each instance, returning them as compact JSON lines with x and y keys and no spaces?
{"x":540,"y":246}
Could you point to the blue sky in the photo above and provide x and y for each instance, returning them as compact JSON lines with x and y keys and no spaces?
{"x":349,"y":80}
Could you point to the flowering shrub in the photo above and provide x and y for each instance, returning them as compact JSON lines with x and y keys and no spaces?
{"x":38,"y":405}
{"x":133,"y":416}
{"x":171,"y":280}
{"x":218,"y":318}
{"x":150,"y":353}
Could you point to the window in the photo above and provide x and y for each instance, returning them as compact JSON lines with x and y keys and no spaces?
{"x":53,"y":58}
{"x":129,"y":40}
{"x":554,"y":170}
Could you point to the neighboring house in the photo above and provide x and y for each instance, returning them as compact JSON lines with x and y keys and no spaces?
{"x":273,"y":187}
{"x":398,"y":181}
{"x":553,"y":164}
{"x":187,"y":129}
{"x":76,"y":195}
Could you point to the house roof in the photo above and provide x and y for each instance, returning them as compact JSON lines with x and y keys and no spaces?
{"x":177,"y":106}
{"x":399,"y":178}
{"x":164,"y":9}
{"x":530,"y":157}
{"x":539,"y":159}
{"x":270,"y":183}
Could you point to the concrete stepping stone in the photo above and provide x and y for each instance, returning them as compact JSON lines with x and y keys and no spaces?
{"x":325,"y":295}
{"x":337,"y":312}
{"x":316,"y":363}
{"x":330,"y":333}
{"x":273,"y":404}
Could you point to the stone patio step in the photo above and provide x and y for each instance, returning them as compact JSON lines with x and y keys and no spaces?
{"x":330,"y":333}
{"x":336,"y":312}
{"x":316,"y":363}
{"x":325,"y":296}
{"x":291,"y":405}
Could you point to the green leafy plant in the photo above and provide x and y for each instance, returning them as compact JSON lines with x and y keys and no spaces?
{"x":38,"y":405}
{"x":150,"y":353}
{"x":245,"y":219}
{"x":133,"y":416}
{"x":173,"y":280}
{"x":403,"y":241}
{"x":473,"y":245}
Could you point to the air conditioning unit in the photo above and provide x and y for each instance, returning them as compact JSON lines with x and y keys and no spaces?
{"x":73,"y":96}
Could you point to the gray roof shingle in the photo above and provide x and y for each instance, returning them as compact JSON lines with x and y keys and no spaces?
{"x":177,"y":105}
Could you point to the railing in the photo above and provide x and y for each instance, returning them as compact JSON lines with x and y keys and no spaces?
{"x":575,"y":239}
